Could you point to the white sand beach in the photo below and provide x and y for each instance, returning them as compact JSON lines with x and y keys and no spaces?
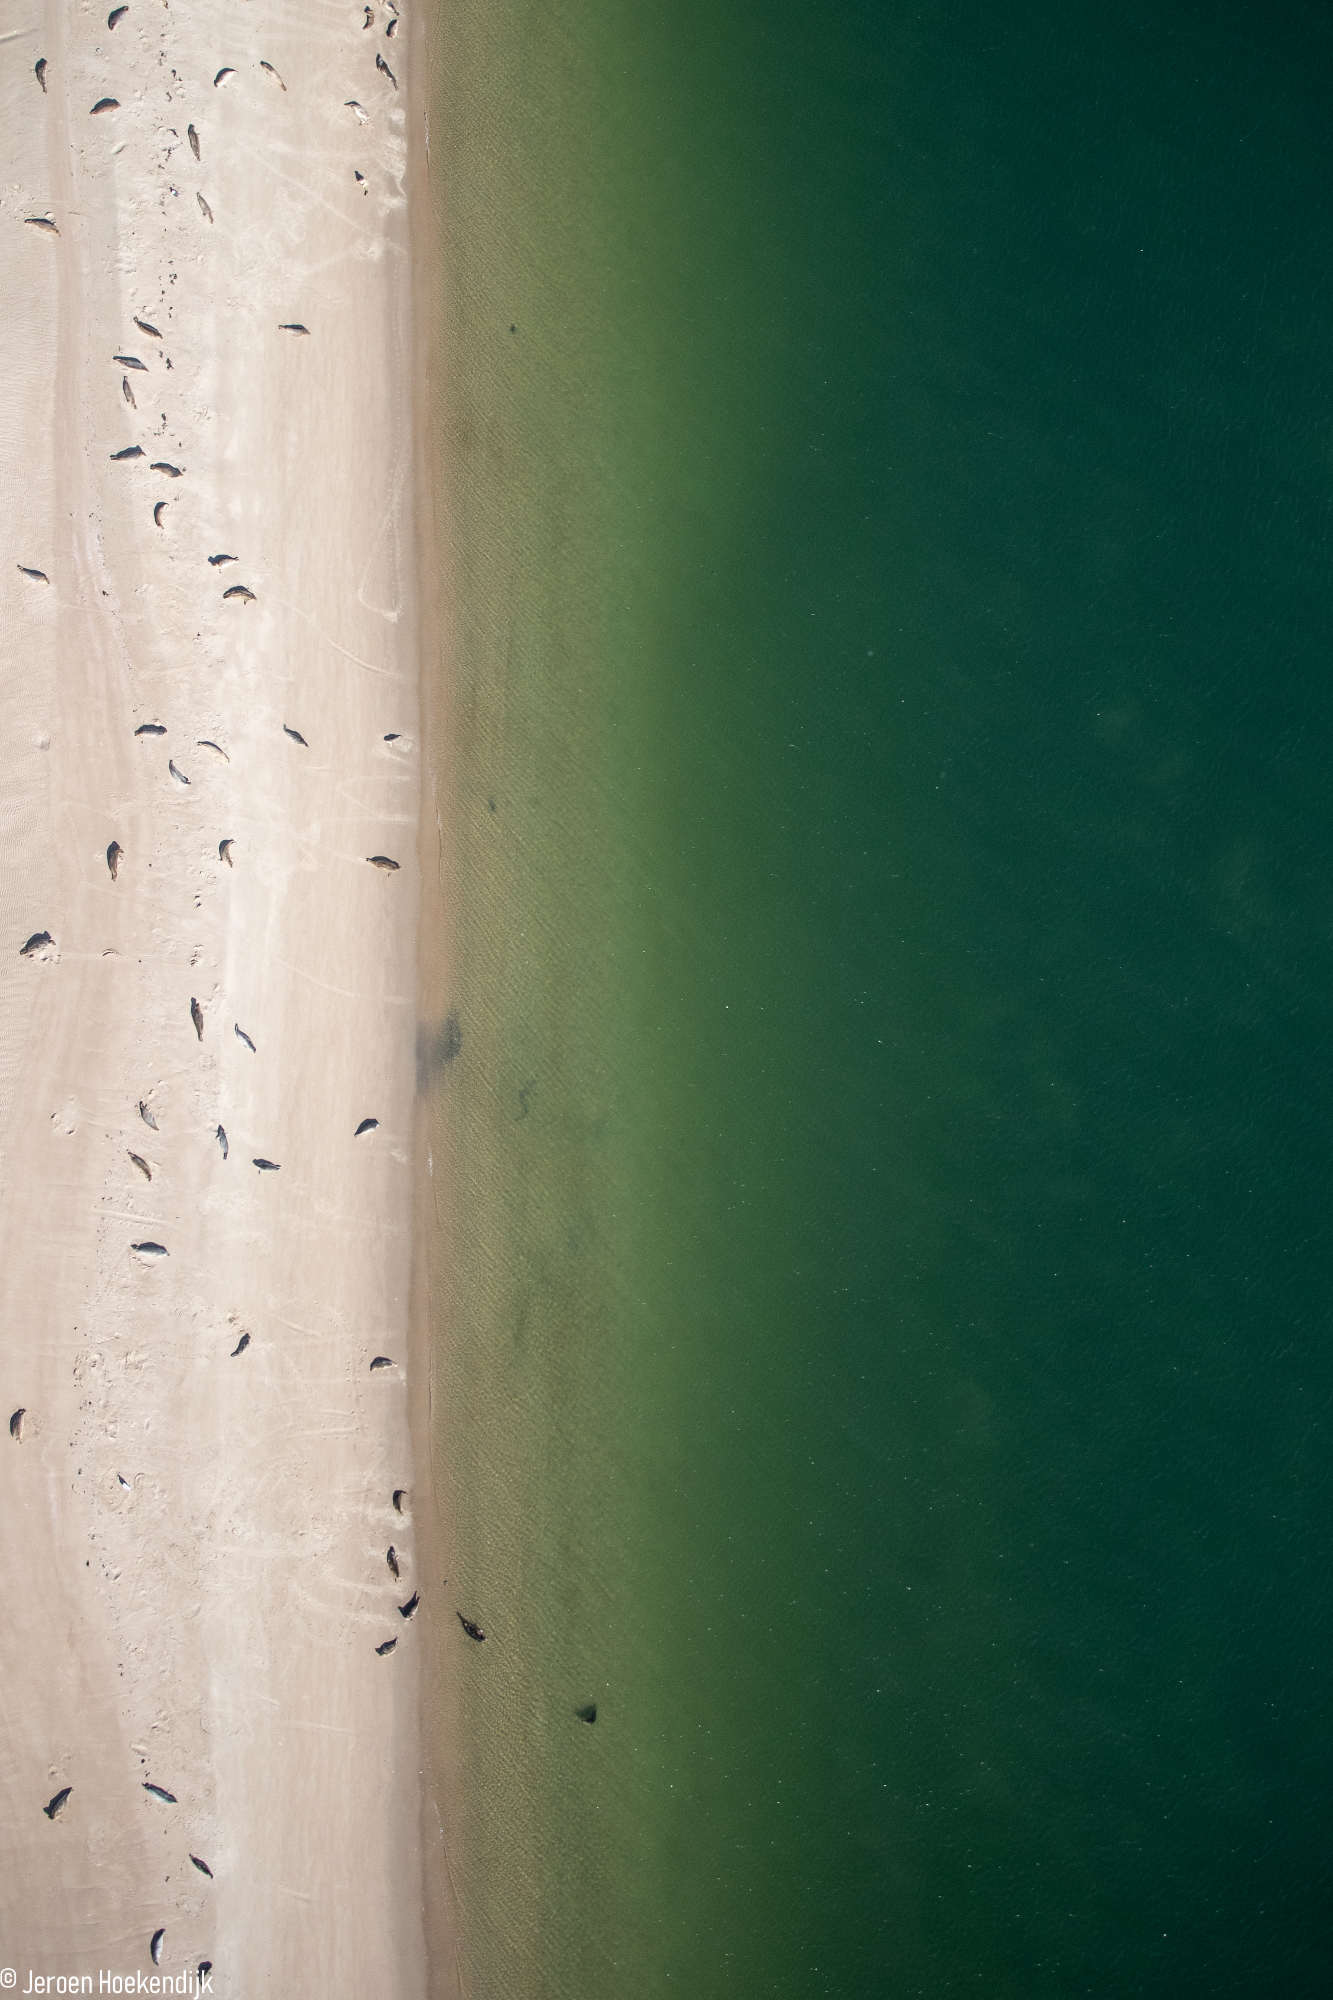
{"x":197,"y":1500}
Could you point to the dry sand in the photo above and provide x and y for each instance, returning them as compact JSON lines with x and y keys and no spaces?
{"x":193,"y":1561}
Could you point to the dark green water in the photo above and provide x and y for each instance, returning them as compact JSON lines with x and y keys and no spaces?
{"x":889,"y":1336}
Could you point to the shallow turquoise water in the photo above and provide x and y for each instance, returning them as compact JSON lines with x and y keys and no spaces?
{"x":892,"y":1373}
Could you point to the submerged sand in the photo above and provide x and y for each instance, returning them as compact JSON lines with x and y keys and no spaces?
{"x":197,"y":1501}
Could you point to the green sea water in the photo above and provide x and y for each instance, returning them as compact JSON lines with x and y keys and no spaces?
{"x":886,"y":1361}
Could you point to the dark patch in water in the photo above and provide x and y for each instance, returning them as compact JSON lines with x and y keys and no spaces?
{"x":436,"y":1050}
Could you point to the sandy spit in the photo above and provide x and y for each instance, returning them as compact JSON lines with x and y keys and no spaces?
{"x":197,"y":760}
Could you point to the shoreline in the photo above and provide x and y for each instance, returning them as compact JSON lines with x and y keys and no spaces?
{"x":198,"y":1494}
{"x":435,"y":940}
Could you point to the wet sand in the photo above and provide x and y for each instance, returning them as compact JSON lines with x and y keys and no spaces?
{"x":197,"y":1500}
